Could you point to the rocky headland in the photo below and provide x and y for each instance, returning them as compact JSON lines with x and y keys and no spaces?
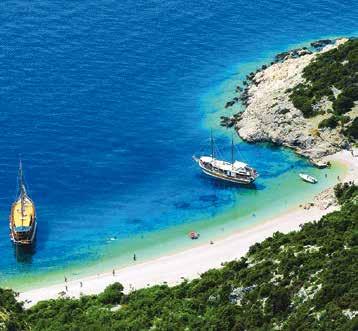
{"x":270,"y":115}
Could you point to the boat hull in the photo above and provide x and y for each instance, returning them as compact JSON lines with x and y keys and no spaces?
{"x":225,"y":178}
{"x":23,"y":223}
{"x":308,"y":179}
{"x":26,"y":238}
{"x":247,"y":180}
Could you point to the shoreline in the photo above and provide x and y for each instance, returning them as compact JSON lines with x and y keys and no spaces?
{"x":275,"y":196}
{"x":190,"y":263}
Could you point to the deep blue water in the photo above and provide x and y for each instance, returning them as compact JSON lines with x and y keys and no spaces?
{"x":102,"y":101}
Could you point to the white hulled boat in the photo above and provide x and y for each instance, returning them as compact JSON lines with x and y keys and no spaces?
{"x":234,"y":171}
{"x":307,"y":178}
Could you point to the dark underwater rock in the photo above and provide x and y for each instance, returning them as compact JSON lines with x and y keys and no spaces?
{"x":321,"y":43}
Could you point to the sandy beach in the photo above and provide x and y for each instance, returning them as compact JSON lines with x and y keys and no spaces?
{"x":189,"y":264}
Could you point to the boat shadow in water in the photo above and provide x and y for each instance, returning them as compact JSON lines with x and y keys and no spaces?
{"x":24,"y":253}
{"x":219,"y":183}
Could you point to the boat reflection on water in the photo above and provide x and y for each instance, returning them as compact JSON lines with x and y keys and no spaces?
{"x":25,"y":253}
{"x":228,"y":185}
{"x":220,"y":184}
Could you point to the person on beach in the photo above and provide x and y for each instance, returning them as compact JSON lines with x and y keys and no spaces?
{"x":66,"y":288}
{"x":113,"y":272}
{"x":134,"y":257}
{"x":65,"y":279}
{"x":81,"y":284}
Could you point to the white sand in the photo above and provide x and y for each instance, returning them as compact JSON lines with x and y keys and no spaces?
{"x":192,"y":262}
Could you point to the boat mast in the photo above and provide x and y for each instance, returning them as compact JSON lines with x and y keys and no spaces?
{"x":21,"y":180}
{"x":22,"y":191}
{"x":232,"y":150}
{"x":212,"y":143}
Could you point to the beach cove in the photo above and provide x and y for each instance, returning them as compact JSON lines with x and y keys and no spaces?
{"x":174,"y":268}
{"x":243,"y":213}
{"x":108,"y":158}
{"x":220,"y":209}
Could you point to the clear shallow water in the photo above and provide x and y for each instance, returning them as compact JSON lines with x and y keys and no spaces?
{"x":106,"y":102}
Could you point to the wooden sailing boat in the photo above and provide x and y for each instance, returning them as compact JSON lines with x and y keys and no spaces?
{"x":234,"y":171}
{"x":22,"y":216}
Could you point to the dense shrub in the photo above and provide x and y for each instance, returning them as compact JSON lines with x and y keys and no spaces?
{"x":344,"y":119}
{"x":342,"y":104}
{"x":12,"y":316}
{"x":330,"y":122}
{"x":112,"y":294}
{"x":333,"y":69}
{"x":351,"y":92}
{"x":352,"y":130}
{"x":345,"y":192}
{"x":302,"y":98}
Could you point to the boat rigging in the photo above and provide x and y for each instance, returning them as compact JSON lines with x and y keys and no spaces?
{"x":22,"y":217}
{"x":234,"y":171}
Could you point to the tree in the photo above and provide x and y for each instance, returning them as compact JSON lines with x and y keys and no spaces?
{"x":330,"y":122}
{"x":112,"y":294}
{"x":343,"y":104}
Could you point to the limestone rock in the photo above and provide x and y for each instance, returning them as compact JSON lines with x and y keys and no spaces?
{"x":270,"y":116}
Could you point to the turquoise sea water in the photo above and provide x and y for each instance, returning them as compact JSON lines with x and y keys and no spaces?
{"x":106,"y":103}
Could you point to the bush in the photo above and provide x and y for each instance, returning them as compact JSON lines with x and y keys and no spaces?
{"x":11,"y":312}
{"x":345,"y":192}
{"x":352,"y":130}
{"x":112,"y":295}
{"x":351,"y":92}
{"x":343,"y":104}
{"x":302,"y":98}
{"x":278,"y":301}
{"x":344,"y":119}
{"x":304,"y":104}
{"x":330,"y":122}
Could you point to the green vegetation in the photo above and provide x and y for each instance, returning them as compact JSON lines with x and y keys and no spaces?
{"x":335,"y":69}
{"x":330,"y":122}
{"x":304,"y":280}
{"x":352,"y":130}
{"x":345,"y":192}
{"x":342,"y":104}
{"x":12,"y":315}
{"x":111,"y":295}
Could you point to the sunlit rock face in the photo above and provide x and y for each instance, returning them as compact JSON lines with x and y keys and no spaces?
{"x":271,"y":116}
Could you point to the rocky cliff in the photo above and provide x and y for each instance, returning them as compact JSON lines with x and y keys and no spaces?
{"x":270,"y":116}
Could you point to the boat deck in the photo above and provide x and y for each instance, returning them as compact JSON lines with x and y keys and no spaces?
{"x":23,"y":219}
